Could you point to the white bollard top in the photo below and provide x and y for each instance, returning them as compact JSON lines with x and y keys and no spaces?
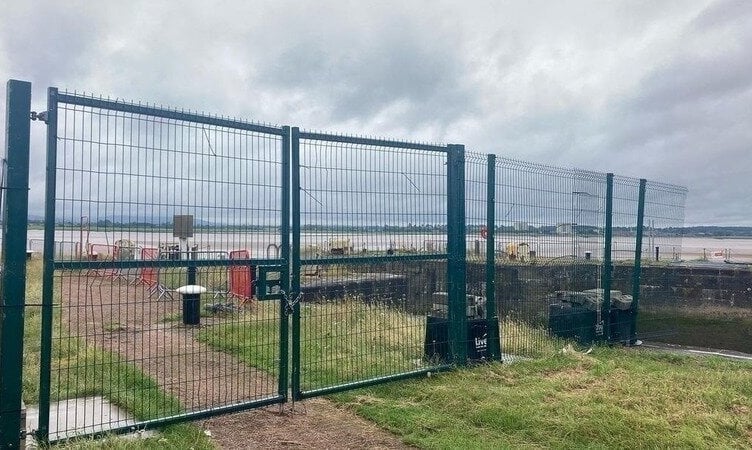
{"x":190,"y":289}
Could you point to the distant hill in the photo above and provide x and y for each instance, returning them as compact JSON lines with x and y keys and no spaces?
{"x":36,"y":221}
{"x":716,"y":231}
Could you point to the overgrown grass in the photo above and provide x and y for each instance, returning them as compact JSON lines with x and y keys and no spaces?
{"x":80,"y":369}
{"x":341,"y":341}
{"x":613,"y":398}
{"x":349,"y":340}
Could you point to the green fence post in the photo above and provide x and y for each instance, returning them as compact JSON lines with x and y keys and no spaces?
{"x":295,"y":275}
{"x":45,"y":353}
{"x":284,"y":231}
{"x":457,"y":250}
{"x":606,"y":307}
{"x":13,"y":290}
{"x":492,"y":315}
{"x":637,"y":272}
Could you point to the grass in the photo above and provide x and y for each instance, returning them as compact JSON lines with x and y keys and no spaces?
{"x":80,"y":370}
{"x":612,"y":398}
{"x":349,"y":340}
{"x":341,"y":341}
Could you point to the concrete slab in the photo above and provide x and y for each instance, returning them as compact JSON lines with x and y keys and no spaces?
{"x":80,"y":416}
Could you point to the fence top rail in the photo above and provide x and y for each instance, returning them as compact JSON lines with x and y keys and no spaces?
{"x":580,"y":173}
{"x":553,"y":170}
{"x":164,"y":113}
{"x":313,"y":136}
{"x":667,"y":188}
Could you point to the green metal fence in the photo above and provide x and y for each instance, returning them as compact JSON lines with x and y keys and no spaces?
{"x":372,"y":247}
{"x":15,"y":192}
{"x":155,"y":200}
{"x":195,"y":265}
{"x":539,"y":236}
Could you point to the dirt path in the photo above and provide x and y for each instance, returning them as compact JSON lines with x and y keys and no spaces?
{"x":125,"y":319}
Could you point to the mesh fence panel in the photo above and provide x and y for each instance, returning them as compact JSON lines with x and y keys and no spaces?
{"x":370,"y":215}
{"x":147,"y":201}
{"x":120,"y":332}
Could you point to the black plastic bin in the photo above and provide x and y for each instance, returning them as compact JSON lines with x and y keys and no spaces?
{"x":436,"y":344}
{"x":570,"y":321}
{"x":621,"y":326}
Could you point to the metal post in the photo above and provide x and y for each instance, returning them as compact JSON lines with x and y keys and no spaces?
{"x":637,"y":271}
{"x":606,"y":307}
{"x":284,"y":231}
{"x":45,"y":357}
{"x":295,"y":275}
{"x":192,"y":301}
{"x":457,"y":249}
{"x":494,"y":347}
{"x":13,"y":290}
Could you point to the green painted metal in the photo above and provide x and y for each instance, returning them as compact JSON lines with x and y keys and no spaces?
{"x":325,"y":137}
{"x":169,"y":114}
{"x":374,"y":381}
{"x":284,"y":232}
{"x":637,"y":271}
{"x":91,"y":128}
{"x":45,"y":360}
{"x":607,"y":263}
{"x":164,"y":263}
{"x":391,"y":172}
{"x":456,"y":267}
{"x":494,"y":350}
{"x":295,"y":275}
{"x":156,"y":424}
{"x":13,"y":290}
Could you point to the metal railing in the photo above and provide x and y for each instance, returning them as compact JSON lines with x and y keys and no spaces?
{"x":370,"y":260}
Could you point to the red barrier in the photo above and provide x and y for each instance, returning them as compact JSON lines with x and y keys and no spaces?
{"x":149,"y":275}
{"x":102,"y":252}
{"x":241,"y":279}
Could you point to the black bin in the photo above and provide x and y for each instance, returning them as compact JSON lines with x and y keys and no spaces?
{"x":436,"y":345}
{"x":621,"y":325}
{"x":571,"y":321}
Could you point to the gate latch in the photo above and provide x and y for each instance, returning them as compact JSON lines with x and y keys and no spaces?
{"x":268,"y":283}
{"x":42,"y":116}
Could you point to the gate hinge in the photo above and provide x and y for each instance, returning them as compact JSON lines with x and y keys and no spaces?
{"x":42,"y":116}
{"x":290,"y":302}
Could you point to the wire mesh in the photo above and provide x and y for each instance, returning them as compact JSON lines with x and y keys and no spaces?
{"x":548,"y":249}
{"x":693,"y":293}
{"x":148,"y":200}
{"x":373,"y":237}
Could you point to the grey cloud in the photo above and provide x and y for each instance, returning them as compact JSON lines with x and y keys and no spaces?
{"x":651,"y":89}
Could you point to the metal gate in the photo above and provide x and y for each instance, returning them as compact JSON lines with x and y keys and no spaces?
{"x":165,"y":266}
{"x":377,"y":246}
{"x":168,"y":275}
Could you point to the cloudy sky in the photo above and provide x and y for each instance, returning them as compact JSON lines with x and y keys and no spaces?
{"x":661,"y":90}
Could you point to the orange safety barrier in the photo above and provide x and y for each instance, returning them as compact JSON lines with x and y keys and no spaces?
{"x":241,"y":279}
{"x":149,"y":275}
{"x":101,"y":252}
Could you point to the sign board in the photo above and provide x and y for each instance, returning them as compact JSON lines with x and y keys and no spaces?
{"x":182,"y":226}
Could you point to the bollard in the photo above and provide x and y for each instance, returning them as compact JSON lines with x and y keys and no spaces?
{"x":191,"y":303}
